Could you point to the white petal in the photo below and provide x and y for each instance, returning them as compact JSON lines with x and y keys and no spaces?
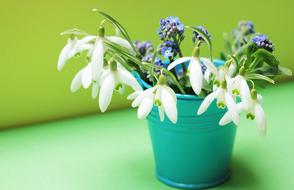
{"x":207,"y":75}
{"x":95,"y":89}
{"x":106,"y":92}
{"x":161,"y":113}
{"x":196,"y":76}
{"x":260,"y":118}
{"x":97,"y":59}
{"x":147,"y":92}
{"x":232,"y":108}
{"x":169,"y":104}
{"x":86,"y":76}
{"x":85,"y":40}
{"x":227,"y":117}
{"x":178,"y":61}
{"x":128,"y":79}
{"x":259,"y":98}
{"x":206,"y":102}
{"x":120,"y":41}
{"x":76,"y":82}
{"x":232,"y":69}
{"x":145,"y":107}
{"x":134,"y":95}
{"x":63,"y":57}
{"x":171,"y":92}
{"x":81,"y":48}
{"x":210,"y":66}
{"x":245,"y":92}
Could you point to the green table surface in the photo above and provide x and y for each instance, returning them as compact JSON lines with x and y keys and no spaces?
{"x":113,"y":152}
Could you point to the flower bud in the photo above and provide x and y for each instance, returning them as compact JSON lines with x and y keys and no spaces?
{"x":113,"y":65}
{"x":162,"y":80}
{"x":196,"y":52}
{"x":101,"y":31}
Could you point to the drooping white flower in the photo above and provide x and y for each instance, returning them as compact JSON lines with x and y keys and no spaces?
{"x":113,"y":79}
{"x":239,"y":86}
{"x":73,"y":47}
{"x":95,"y":45}
{"x":82,"y":78}
{"x":253,"y":110}
{"x":97,"y":54}
{"x":223,"y":99}
{"x":194,"y":69}
{"x":160,"y":95}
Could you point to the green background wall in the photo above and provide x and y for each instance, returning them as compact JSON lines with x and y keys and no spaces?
{"x":31,"y":89}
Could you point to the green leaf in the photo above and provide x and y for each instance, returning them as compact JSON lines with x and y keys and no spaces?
{"x":266,"y":56}
{"x":204,"y":36}
{"x":259,"y":77}
{"x":285,"y":71}
{"x":121,"y":29}
{"x":267,"y":70}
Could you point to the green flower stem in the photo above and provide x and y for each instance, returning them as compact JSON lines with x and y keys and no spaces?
{"x":149,"y":67}
{"x":168,"y":73}
{"x":173,"y":70}
{"x":254,"y":63}
{"x":181,"y":55}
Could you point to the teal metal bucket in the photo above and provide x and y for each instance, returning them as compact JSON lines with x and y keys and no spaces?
{"x":195,"y":152}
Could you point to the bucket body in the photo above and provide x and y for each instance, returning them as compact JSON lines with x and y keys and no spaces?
{"x":195,"y":152}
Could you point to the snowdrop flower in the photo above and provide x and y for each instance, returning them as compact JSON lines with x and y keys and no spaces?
{"x":73,"y":47}
{"x":112,"y":79}
{"x":223,"y":98}
{"x":194,"y":69}
{"x":82,"y":78}
{"x":238,"y":86}
{"x":161,"y":95}
{"x":253,"y":109}
{"x":95,"y":52}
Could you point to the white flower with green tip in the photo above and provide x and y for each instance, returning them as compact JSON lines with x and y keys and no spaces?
{"x":160,"y":95}
{"x":194,"y":69}
{"x":113,"y":79}
{"x":253,"y":110}
{"x":223,"y":99}
{"x":73,"y":47}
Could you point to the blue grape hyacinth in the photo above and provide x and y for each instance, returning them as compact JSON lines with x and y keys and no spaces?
{"x":148,"y":59}
{"x":197,"y":36}
{"x":144,"y":47}
{"x":263,"y":41}
{"x":168,"y":49}
{"x":244,"y":28}
{"x":247,"y":27}
{"x":170,"y":27}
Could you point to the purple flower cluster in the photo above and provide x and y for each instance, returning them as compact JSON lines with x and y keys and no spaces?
{"x":244,"y":28}
{"x":144,"y":47}
{"x":168,"y":49}
{"x":247,"y":27}
{"x":197,"y":36}
{"x":170,"y":27}
{"x":148,"y":59}
{"x":263,"y":41}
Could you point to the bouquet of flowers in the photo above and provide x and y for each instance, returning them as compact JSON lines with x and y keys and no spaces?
{"x":113,"y":62}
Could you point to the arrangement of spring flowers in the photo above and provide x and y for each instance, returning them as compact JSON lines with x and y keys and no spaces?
{"x":113,"y":62}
